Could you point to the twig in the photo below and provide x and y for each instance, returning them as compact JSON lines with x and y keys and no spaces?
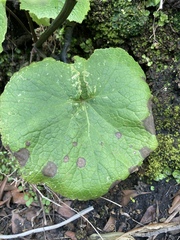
{"x":36,"y":189}
{"x":112,"y":202}
{"x":161,"y":5}
{"x":48,"y":228}
{"x":153,"y":229}
{"x":19,"y":21}
{"x":34,"y":37}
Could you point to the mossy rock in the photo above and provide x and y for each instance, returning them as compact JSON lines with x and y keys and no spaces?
{"x":111,"y":22}
{"x":165,"y":161}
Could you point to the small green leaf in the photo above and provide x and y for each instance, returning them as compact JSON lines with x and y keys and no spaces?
{"x":153,"y":3}
{"x":3,"y":23}
{"x":40,"y":21}
{"x":79,"y":127}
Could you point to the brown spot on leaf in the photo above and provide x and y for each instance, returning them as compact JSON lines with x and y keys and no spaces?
{"x":81,"y":162}
{"x":149,"y":121}
{"x":75,"y":144}
{"x":143,"y":78}
{"x":22,"y":156}
{"x":118,"y":135}
{"x":133,"y":169}
{"x":66,"y":158}
{"x":50,"y":169}
{"x":28,"y":143}
{"x":145,"y":151}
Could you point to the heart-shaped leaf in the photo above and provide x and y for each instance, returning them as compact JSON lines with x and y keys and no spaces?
{"x":79,"y":127}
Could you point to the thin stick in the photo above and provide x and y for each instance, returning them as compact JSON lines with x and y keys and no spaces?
{"x":19,"y":21}
{"x":31,"y":26}
{"x":36,"y":189}
{"x":161,"y":4}
{"x":112,"y":202}
{"x":48,"y":228}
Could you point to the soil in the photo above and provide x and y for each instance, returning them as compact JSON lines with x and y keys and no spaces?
{"x":131,"y":204}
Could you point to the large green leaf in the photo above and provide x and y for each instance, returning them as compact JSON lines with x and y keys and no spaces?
{"x":79,"y":127}
{"x":45,"y":9}
{"x":3,"y":22}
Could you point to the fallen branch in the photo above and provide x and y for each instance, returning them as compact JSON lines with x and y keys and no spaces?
{"x":153,"y":229}
{"x":48,"y":228}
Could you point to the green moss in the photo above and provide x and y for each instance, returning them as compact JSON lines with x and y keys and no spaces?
{"x":113,"y":21}
{"x":176,"y":22}
{"x":157,"y":46}
{"x":167,"y":117}
{"x":165,"y":161}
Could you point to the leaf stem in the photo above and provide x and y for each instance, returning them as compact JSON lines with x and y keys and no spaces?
{"x":58,"y":21}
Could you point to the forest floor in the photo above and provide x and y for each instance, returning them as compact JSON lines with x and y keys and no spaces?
{"x":150,"y":211}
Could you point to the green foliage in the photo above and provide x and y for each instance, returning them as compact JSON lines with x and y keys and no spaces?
{"x":79,"y":127}
{"x":176,"y":21}
{"x":43,"y":10}
{"x":155,"y":53}
{"x":8,"y":164}
{"x":152,"y":3}
{"x":113,"y":21}
{"x":3,"y":23}
{"x":161,"y":18}
{"x":29,"y":198}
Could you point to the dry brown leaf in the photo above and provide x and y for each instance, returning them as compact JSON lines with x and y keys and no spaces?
{"x":70,"y":235}
{"x":18,"y":197}
{"x":174,"y":209}
{"x":175,"y":205}
{"x":31,"y":213}
{"x":10,"y":187}
{"x":129,"y":194}
{"x":110,"y":225}
{"x":7,"y":198}
{"x":149,"y":216}
{"x":17,"y":223}
{"x":65,"y":210}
